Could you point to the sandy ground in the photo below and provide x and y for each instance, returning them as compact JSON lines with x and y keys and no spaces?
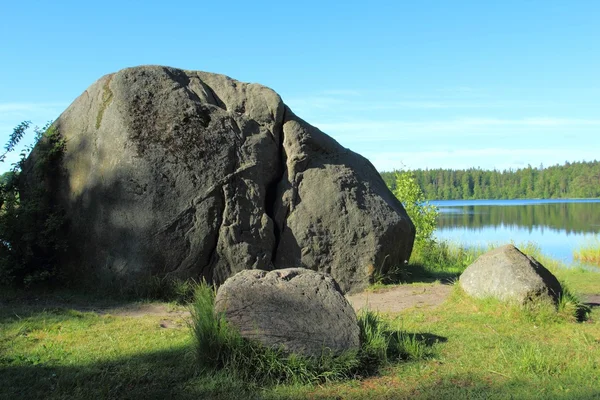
{"x":399,"y":298}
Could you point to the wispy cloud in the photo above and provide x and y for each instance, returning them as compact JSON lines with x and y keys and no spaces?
{"x":35,"y":107}
{"x":343,"y":104}
{"x":487,"y":158}
{"x":341,"y":92}
{"x":362,"y":130}
{"x":12,"y":113}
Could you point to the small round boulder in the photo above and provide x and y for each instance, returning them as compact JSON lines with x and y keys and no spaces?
{"x":302,"y":310}
{"x":507,"y":274}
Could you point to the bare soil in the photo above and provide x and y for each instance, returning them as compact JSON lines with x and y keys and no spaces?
{"x":398,"y":298}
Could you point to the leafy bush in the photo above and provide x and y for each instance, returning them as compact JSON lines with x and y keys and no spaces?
{"x":423,"y":215}
{"x":31,"y":224}
{"x":219,"y":346}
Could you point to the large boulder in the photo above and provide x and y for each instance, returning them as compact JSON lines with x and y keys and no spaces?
{"x":192,"y":174}
{"x":507,"y":274}
{"x":298,"y":309}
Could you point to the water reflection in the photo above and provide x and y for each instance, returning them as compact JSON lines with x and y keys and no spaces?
{"x":557,"y":226}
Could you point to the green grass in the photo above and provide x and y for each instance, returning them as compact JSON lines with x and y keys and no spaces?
{"x":589,"y":253}
{"x":50,"y":347}
{"x":489,"y":350}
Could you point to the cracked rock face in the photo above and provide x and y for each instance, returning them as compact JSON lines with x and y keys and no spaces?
{"x":302,"y":310}
{"x":192,"y":174}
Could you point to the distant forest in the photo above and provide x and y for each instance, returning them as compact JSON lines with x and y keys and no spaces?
{"x":571,"y":180}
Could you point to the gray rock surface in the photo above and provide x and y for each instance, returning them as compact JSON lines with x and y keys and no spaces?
{"x":192,"y":174}
{"x":302,"y":310}
{"x":333,"y":210}
{"x":507,"y":274}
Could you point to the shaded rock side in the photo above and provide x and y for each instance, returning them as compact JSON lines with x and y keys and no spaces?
{"x":507,"y":274}
{"x":302,"y":310}
{"x":180,"y":173}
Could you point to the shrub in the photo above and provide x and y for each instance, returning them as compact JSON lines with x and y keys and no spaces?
{"x":31,"y":224}
{"x":423,"y":215}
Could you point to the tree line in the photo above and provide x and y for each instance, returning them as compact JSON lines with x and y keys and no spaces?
{"x":571,"y":180}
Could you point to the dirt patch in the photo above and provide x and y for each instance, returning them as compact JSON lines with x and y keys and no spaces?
{"x":592,"y":300}
{"x":400,"y":298}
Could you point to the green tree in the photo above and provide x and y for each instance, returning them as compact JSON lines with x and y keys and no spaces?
{"x":422,"y":214}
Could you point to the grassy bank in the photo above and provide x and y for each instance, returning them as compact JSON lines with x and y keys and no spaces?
{"x":55,"y":347}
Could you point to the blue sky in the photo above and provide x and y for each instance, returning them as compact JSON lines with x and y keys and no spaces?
{"x":416,"y":84}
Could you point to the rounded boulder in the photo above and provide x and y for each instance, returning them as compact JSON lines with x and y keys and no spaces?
{"x":301,"y":310}
{"x":507,"y":274}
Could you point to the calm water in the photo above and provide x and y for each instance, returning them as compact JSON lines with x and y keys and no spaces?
{"x":557,"y":226}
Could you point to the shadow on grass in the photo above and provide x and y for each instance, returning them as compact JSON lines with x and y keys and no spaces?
{"x":23,"y":303}
{"x":171,"y":374}
{"x":429,"y":339}
{"x":417,"y":272}
{"x":159,"y":375}
{"x":28,"y":305}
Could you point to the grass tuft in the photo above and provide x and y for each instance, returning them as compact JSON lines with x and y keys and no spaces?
{"x":433,"y":260}
{"x":570,"y":305}
{"x":163,"y":289}
{"x":590,"y":252}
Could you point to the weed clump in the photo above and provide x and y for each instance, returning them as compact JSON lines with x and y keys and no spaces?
{"x":590,"y":252}
{"x":219,"y":346}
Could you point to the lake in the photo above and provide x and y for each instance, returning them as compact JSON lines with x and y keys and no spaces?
{"x":557,"y":226}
